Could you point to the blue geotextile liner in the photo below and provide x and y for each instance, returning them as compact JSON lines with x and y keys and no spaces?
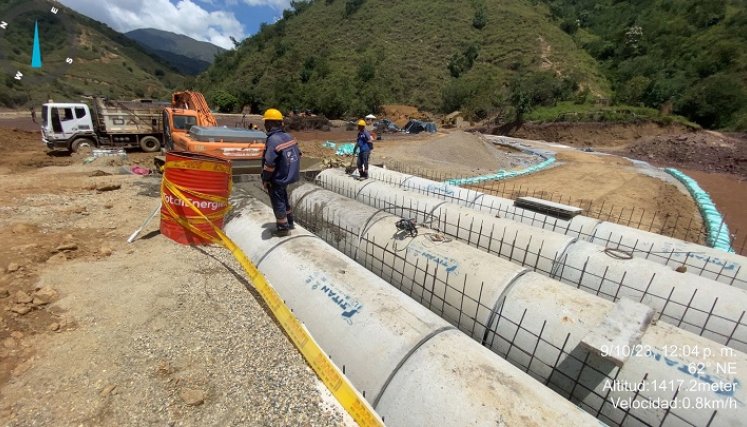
{"x":718,"y":232}
{"x":502,"y":174}
{"x":345,"y":149}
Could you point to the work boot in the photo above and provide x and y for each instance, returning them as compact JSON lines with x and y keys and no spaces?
{"x":291,"y":224}
{"x":282,"y":230}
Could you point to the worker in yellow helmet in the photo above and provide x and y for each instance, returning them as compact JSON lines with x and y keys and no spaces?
{"x":281,"y":165}
{"x":363,"y":147}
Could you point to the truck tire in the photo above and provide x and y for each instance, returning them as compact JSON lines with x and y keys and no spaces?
{"x":150,"y":144}
{"x":82,"y":145}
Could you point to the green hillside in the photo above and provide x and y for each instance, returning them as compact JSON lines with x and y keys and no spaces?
{"x":687,"y":54}
{"x":106,"y":62}
{"x":341,"y":57}
{"x":345,"y":57}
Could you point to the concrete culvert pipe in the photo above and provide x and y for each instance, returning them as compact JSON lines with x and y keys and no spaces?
{"x":700,"y":305}
{"x":515,"y":241}
{"x":701,"y":260}
{"x":374,"y":333}
{"x":539,"y":324}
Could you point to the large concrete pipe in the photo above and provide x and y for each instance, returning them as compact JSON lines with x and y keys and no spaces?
{"x":701,"y":260}
{"x":537,"y":323}
{"x":529,"y":245}
{"x":694,"y":303}
{"x":374,"y":333}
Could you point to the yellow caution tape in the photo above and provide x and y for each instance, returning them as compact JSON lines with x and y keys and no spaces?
{"x":198,"y":166}
{"x":328,"y":373}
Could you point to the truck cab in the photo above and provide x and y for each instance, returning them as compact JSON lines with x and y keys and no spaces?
{"x":67,"y":126}
{"x":105,"y":122}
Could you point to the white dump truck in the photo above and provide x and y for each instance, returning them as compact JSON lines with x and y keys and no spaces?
{"x":108,"y":123}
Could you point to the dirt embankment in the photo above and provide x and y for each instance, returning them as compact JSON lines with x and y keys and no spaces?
{"x":704,"y":151}
{"x":453,"y":154}
{"x":595,"y":134}
{"x":612,"y":189}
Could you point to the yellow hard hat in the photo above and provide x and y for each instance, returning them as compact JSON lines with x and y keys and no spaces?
{"x":361,"y":122}
{"x":273,"y":114}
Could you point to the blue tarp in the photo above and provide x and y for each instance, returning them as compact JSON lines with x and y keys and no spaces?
{"x":345,"y":149}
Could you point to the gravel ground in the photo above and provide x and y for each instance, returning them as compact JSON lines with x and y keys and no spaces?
{"x":151,"y":333}
{"x":154,"y":325}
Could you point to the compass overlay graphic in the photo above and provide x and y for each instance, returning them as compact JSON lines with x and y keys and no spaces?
{"x":37,"y":42}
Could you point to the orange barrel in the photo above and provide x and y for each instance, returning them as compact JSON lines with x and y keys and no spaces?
{"x":203,"y":180}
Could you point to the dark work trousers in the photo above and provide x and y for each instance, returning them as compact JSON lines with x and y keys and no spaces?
{"x":363,"y":163}
{"x":281,"y":206}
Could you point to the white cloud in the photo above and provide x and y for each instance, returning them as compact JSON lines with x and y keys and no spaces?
{"x":276,"y":4}
{"x":183,"y":17}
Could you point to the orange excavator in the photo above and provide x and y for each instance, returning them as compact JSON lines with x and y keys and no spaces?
{"x":188,"y":125}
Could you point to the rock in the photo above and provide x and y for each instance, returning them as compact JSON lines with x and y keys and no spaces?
{"x":58,"y":258}
{"x":107,"y":187}
{"x":22,"y":229}
{"x":108,"y":205}
{"x":681,"y":269}
{"x":105,"y":251}
{"x":25,"y":247}
{"x":66,"y":247}
{"x":66,"y":321}
{"x":54,"y":327}
{"x":20,"y":309}
{"x":4,"y":293}
{"x":108,"y":390}
{"x":44,"y":295}
{"x":192,"y":397}
{"x":79,"y":210}
{"x":22,"y":297}
{"x":13,"y":267}
{"x":17,"y":334}
{"x":10,"y":343}
{"x":99,"y":173}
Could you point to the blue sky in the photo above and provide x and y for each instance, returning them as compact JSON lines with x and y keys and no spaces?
{"x":214,"y":21}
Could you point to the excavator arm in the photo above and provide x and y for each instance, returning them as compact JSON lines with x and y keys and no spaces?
{"x":195,"y":101}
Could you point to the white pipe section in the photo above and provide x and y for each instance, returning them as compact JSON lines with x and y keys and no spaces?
{"x":694,"y":303}
{"x":372,"y":331}
{"x":534,"y":322}
{"x":701,"y":260}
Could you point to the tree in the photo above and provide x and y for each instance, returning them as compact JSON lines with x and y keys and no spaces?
{"x":713,"y":102}
{"x":480,"y":19}
{"x":224,"y":101}
{"x":351,"y":6}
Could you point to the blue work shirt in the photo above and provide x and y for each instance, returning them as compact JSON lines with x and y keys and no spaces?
{"x":281,"y":163}
{"x":363,"y":141}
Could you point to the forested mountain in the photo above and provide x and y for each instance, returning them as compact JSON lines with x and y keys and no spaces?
{"x":104,"y":62}
{"x":341,"y":57}
{"x":185,"y":54}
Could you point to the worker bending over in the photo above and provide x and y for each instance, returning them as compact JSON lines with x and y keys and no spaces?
{"x":281,"y":165}
{"x":363,"y":146}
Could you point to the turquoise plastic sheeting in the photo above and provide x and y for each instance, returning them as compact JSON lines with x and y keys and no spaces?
{"x":329,"y":144}
{"x":718,"y":232}
{"x":345,"y":149}
{"x":502,"y":174}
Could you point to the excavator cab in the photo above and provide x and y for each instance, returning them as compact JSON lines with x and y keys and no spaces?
{"x":190,"y":126}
